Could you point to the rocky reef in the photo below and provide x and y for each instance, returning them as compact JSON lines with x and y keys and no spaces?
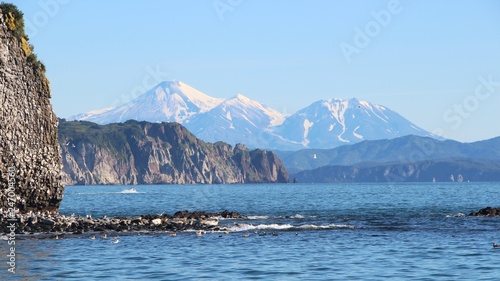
{"x":486,"y":212}
{"x":46,"y":223}
{"x":30,"y":162}
{"x":157,"y":153}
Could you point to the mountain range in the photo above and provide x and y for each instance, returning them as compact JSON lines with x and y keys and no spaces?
{"x":409,"y":158}
{"x":323,"y":124}
{"x":400,"y":150}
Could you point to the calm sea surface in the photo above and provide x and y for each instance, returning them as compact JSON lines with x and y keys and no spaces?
{"x":323,"y":232}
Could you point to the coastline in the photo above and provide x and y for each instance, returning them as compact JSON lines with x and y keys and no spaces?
{"x":46,"y":225}
{"x":55,"y":226}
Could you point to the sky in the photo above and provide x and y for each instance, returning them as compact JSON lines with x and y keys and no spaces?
{"x":437,"y":63}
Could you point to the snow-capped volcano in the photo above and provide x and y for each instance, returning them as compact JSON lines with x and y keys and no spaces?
{"x":334,"y":122}
{"x":323,"y":124}
{"x":237,"y":120}
{"x":168,"y":101}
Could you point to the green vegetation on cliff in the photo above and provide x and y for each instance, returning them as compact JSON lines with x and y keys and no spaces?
{"x":14,"y":20}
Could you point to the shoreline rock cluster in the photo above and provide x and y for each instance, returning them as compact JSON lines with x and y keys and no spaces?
{"x":486,"y":212}
{"x":31,"y":223}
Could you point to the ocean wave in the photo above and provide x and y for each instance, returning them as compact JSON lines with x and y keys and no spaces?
{"x":296,"y":216}
{"x":258,"y":217}
{"x":299,"y":216}
{"x":459,"y":215}
{"x":275,"y":226}
{"x":329,"y":226}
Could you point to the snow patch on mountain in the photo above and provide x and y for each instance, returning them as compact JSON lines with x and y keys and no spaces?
{"x":323,"y":124}
{"x":307,"y":125}
{"x":356,"y":134}
{"x":203,"y":101}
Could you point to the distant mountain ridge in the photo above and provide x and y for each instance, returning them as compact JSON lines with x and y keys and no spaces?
{"x":455,"y":170}
{"x":409,"y":158}
{"x":323,"y":124}
{"x":405,"y":149}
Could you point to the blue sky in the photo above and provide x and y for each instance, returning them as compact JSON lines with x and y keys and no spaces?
{"x":437,"y":63}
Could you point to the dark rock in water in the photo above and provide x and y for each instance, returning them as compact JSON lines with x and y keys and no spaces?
{"x":30,"y":161}
{"x":486,"y":212}
{"x":182,"y":214}
{"x":231,"y":215}
{"x":182,"y":220}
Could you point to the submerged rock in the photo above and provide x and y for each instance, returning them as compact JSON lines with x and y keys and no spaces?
{"x":486,"y":212}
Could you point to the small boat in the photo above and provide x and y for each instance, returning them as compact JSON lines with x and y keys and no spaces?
{"x":130,"y":190}
{"x":496,"y":246}
{"x":199,"y":233}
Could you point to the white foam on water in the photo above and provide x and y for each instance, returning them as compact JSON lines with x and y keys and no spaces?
{"x":459,"y":215}
{"x":275,"y":226}
{"x":258,"y":217}
{"x":329,"y":226}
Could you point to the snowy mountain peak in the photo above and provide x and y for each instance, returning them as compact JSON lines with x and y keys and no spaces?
{"x":203,"y":101}
{"x":246,"y":104}
{"x":241,"y":97}
{"x":333,"y":122}
{"x":323,"y":124}
{"x":168,"y":101}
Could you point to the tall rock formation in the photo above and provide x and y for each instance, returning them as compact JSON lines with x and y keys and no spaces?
{"x":30,"y":162}
{"x":157,"y":153}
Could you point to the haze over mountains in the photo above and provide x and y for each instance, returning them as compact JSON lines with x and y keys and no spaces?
{"x":408,"y":158}
{"x":408,"y":149}
{"x":323,"y":124}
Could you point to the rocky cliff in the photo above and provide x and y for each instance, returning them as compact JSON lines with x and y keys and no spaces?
{"x":157,"y":153}
{"x":30,"y":163}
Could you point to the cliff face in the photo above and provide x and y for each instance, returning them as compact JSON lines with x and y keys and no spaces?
{"x":30,"y":163}
{"x":157,"y":153}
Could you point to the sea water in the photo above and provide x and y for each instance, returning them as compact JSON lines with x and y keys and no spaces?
{"x":321,"y":232}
